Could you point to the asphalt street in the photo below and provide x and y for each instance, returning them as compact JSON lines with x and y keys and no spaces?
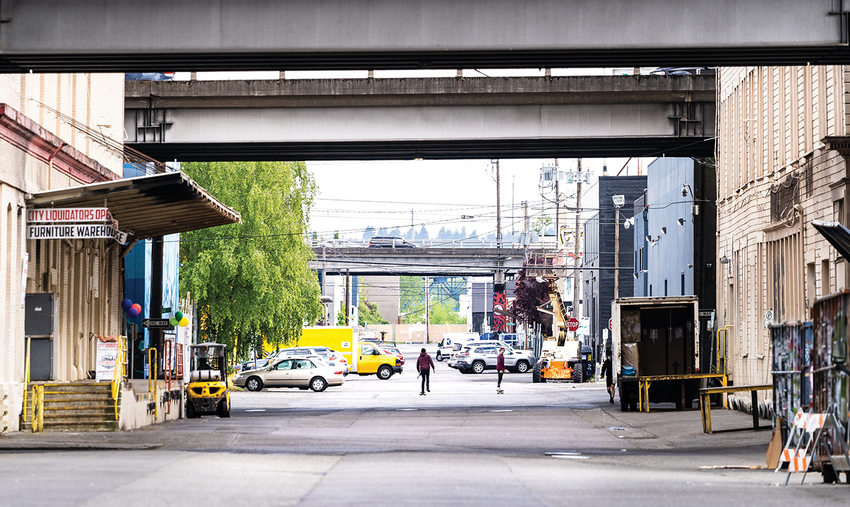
{"x":372,"y":441}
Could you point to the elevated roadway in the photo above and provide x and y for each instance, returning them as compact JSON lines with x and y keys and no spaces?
{"x":159,"y":35}
{"x":359,"y":119}
{"x":434,"y":261}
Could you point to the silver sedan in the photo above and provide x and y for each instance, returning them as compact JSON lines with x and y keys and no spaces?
{"x":300,"y":372}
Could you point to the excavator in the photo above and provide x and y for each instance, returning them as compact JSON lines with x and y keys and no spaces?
{"x":560,"y":358}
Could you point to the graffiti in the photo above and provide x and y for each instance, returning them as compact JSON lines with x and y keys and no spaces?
{"x":500,"y":304}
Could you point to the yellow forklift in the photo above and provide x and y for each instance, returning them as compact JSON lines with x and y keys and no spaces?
{"x":560,"y":358}
{"x":207,"y":390}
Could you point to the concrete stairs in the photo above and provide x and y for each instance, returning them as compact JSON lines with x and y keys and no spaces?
{"x":75,"y":406}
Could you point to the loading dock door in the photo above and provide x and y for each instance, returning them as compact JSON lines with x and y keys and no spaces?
{"x":38,"y":326}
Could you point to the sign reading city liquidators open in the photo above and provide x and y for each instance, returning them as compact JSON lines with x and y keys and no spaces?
{"x":73,"y":223}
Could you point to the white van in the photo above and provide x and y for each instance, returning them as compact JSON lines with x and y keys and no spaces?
{"x":449,"y":344}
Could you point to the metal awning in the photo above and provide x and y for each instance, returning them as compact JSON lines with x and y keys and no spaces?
{"x":837,"y":235}
{"x":145,"y":206}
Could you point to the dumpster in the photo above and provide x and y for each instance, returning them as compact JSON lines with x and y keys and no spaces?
{"x":791,"y":346}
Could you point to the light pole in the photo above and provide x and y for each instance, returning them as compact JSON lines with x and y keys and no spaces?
{"x":619,"y":200}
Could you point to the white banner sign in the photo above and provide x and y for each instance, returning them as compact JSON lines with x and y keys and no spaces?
{"x":75,"y":231}
{"x":106,"y":353}
{"x":69,"y":215}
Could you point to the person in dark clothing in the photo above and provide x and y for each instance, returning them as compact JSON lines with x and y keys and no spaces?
{"x":500,"y":370}
{"x":609,"y":376}
{"x":424,"y":365}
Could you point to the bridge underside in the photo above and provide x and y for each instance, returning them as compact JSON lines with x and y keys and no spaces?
{"x":443,"y":149}
{"x":129,"y":35}
{"x":256,"y":61}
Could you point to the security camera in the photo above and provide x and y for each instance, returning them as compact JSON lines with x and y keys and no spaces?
{"x":684,"y":191}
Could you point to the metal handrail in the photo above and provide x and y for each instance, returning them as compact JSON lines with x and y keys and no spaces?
{"x":118,"y":373}
{"x":152,"y":380}
{"x":27,"y":375}
{"x":37,"y":408}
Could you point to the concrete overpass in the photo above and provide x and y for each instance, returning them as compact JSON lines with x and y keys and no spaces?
{"x":435,"y":261}
{"x":167,"y":35}
{"x":359,"y":119}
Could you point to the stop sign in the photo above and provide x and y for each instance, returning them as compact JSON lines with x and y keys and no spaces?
{"x":572,"y":324}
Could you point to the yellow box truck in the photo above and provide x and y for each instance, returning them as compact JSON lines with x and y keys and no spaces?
{"x":364,"y":358}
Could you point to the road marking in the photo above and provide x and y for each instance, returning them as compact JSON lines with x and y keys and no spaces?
{"x":255,"y":410}
{"x":406,"y":409}
{"x":502,"y":410}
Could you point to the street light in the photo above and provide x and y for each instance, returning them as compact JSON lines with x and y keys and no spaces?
{"x":619,"y":200}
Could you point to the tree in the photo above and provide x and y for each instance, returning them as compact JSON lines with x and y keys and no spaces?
{"x":529,"y":294}
{"x":368,"y":313}
{"x":252,"y":281}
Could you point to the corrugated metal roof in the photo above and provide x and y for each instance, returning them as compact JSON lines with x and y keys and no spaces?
{"x":145,"y":206}
{"x":837,"y":235}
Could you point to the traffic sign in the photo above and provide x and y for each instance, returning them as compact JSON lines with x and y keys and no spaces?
{"x":573,"y":324}
{"x":610,"y":324}
{"x":157,"y":323}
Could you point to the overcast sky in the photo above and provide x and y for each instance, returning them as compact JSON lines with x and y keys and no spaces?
{"x":355,"y":195}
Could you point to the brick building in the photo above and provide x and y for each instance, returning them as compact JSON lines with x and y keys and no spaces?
{"x":780,"y":165}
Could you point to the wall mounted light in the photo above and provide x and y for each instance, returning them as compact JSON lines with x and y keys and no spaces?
{"x":681,"y":221}
{"x":724,"y":260}
{"x":663,"y":230}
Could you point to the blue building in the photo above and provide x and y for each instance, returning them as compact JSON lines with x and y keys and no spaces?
{"x":674,"y":233}
{"x":161,"y":253}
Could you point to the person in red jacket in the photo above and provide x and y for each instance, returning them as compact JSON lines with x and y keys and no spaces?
{"x":424,"y":365}
{"x":500,"y":370}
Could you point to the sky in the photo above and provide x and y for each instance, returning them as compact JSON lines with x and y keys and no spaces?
{"x":354,"y":195}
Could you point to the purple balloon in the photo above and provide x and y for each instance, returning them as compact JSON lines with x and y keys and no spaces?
{"x":133,"y":312}
{"x":126,"y":303}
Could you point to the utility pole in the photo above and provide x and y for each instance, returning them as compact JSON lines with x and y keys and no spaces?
{"x":347,"y":298}
{"x":525,"y":223}
{"x":498,"y":207}
{"x":577,"y":241}
{"x":427,"y":309}
{"x":557,"y":208}
{"x":513,"y":206}
{"x":618,"y":203}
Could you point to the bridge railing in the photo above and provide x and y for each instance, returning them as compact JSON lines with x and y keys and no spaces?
{"x":441,"y":243}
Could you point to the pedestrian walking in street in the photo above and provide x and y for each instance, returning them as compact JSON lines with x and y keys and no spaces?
{"x":500,"y":370}
{"x":424,"y":365}
{"x":609,"y":377}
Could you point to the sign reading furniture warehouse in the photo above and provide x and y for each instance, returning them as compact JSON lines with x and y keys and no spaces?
{"x":73,"y":223}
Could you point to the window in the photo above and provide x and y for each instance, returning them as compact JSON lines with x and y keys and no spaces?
{"x":824,"y":277}
{"x":284,"y":365}
{"x":683,"y":284}
{"x":650,"y":290}
{"x":303,"y":364}
{"x":838,"y":211}
{"x":665,"y":286}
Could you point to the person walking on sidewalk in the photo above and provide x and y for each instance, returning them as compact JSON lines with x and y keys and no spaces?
{"x":424,"y":365}
{"x":500,"y":370}
{"x":609,"y":377}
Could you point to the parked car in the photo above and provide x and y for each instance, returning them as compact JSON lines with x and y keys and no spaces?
{"x":300,"y":372}
{"x":460,"y":347}
{"x":325,"y":353}
{"x":479,"y":357}
{"x":389,"y":242}
{"x":393,"y":350}
{"x":447,"y":345}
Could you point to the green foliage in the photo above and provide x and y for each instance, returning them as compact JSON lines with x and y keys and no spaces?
{"x":441,"y":313}
{"x":340,"y":318}
{"x":368,"y":313}
{"x":252,"y":280}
